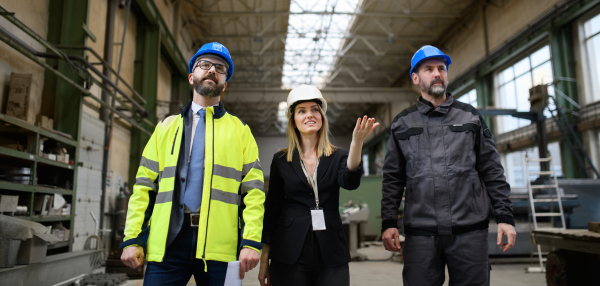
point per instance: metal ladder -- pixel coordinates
(551, 199)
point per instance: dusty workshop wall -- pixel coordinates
(506, 21)
(164, 89)
(97, 25)
(120, 148)
(166, 12)
(118, 163)
(182, 33)
(33, 14)
(184, 43)
(467, 46)
(174, 19)
(267, 147)
(127, 63)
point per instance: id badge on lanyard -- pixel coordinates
(318, 219)
(317, 215)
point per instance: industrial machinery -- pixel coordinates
(575, 259)
(354, 217)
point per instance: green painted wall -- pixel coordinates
(369, 192)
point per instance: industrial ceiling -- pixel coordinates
(337, 45)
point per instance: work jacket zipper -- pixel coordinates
(209, 195)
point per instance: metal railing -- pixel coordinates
(32, 54)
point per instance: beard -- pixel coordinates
(435, 91)
(204, 88)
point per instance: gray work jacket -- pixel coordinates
(448, 162)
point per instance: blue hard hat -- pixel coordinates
(428, 52)
(216, 49)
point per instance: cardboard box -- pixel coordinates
(61, 155)
(32, 250)
(8, 252)
(11, 144)
(46, 122)
(59, 233)
(42, 203)
(19, 96)
(8, 203)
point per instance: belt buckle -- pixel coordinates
(194, 219)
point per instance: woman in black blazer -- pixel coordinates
(304, 190)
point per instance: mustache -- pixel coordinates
(437, 80)
(211, 78)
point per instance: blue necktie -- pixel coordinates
(195, 176)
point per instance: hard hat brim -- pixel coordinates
(445, 58)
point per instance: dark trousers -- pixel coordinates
(180, 263)
(309, 270)
(302, 274)
(466, 255)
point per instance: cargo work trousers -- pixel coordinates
(465, 254)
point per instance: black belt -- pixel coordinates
(192, 218)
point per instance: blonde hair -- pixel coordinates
(324, 147)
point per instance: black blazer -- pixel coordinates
(290, 199)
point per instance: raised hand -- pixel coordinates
(364, 127)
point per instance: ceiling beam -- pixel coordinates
(329, 36)
(213, 14)
(342, 95)
(353, 55)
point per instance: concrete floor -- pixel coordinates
(374, 273)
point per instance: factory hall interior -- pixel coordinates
(299, 142)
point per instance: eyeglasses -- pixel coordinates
(206, 65)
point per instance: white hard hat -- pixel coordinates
(304, 93)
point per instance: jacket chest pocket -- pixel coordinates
(410, 145)
(460, 144)
(463, 134)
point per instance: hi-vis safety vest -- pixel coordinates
(233, 180)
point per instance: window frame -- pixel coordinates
(585, 78)
(508, 165)
(584, 70)
(498, 124)
(467, 91)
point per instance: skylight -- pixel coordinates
(314, 39)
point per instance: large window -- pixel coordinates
(514, 165)
(592, 43)
(469, 97)
(514, 83)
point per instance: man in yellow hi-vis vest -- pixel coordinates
(197, 203)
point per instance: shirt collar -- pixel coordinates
(196, 107)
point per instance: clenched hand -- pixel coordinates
(133, 257)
